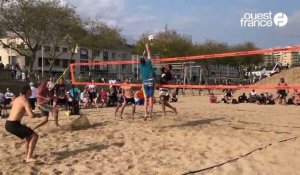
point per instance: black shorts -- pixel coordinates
(61, 102)
(130, 100)
(282, 93)
(7, 101)
(17, 129)
(32, 102)
(164, 97)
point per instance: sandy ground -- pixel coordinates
(247, 136)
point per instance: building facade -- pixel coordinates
(284, 58)
(83, 55)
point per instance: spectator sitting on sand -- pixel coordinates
(253, 97)
(227, 97)
(296, 97)
(85, 98)
(262, 99)
(213, 98)
(270, 99)
(243, 98)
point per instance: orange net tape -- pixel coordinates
(189, 58)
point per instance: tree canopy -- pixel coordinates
(38, 22)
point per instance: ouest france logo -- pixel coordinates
(264, 19)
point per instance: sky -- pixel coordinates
(201, 19)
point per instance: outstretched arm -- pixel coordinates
(148, 51)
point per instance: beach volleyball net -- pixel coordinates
(191, 73)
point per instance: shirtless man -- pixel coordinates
(282, 91)
(13, 124)
(43, 98)
(128, 98)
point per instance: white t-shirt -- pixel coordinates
(253, 93)
(112, 81)
(33, 92)
(9, 95)
(84, 95)
(50, 85)
(92, 88)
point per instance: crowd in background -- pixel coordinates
(264, 98)
(88, 97)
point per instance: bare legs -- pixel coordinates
(30, 143)
(148, 107)
(55, 115)
(123, 107)
(165, 104)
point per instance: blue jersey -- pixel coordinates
(147, 71)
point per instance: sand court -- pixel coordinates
(247, 138)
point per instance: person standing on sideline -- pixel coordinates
(32, 98)
(282, 91)
(148, 76)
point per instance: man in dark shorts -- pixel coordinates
(148, 74)
(44, 97)
(13, 125)
(127, 93)
(164, 96)
(282, 91)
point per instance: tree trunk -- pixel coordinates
(32, 60)
(51, 66)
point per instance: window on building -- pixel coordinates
(95, 53)
(5, 46)
(65, 50)
(123, 66)
(105, 56)
(47, 48)
(113, 56)
(124, 56)
(56, 62)
(46, 61)
(65, 63)
(40, 62)
(84, 68)
(56, 49)
(97, 67)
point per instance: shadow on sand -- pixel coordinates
(61, 155)
(195, 122)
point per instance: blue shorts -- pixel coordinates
(148, 88)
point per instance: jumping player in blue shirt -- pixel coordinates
(148, 74)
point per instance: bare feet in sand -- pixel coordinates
(30, 160)
(175, 111)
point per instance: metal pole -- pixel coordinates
(42, 61)
(10, 58)
(137, 67)
(132, 67)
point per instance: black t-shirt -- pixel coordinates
(165, 77)
(60, 89)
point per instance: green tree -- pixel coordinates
(246, 63)
(101, 36)
(34, 23)
(168, 43)
(210, 47)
